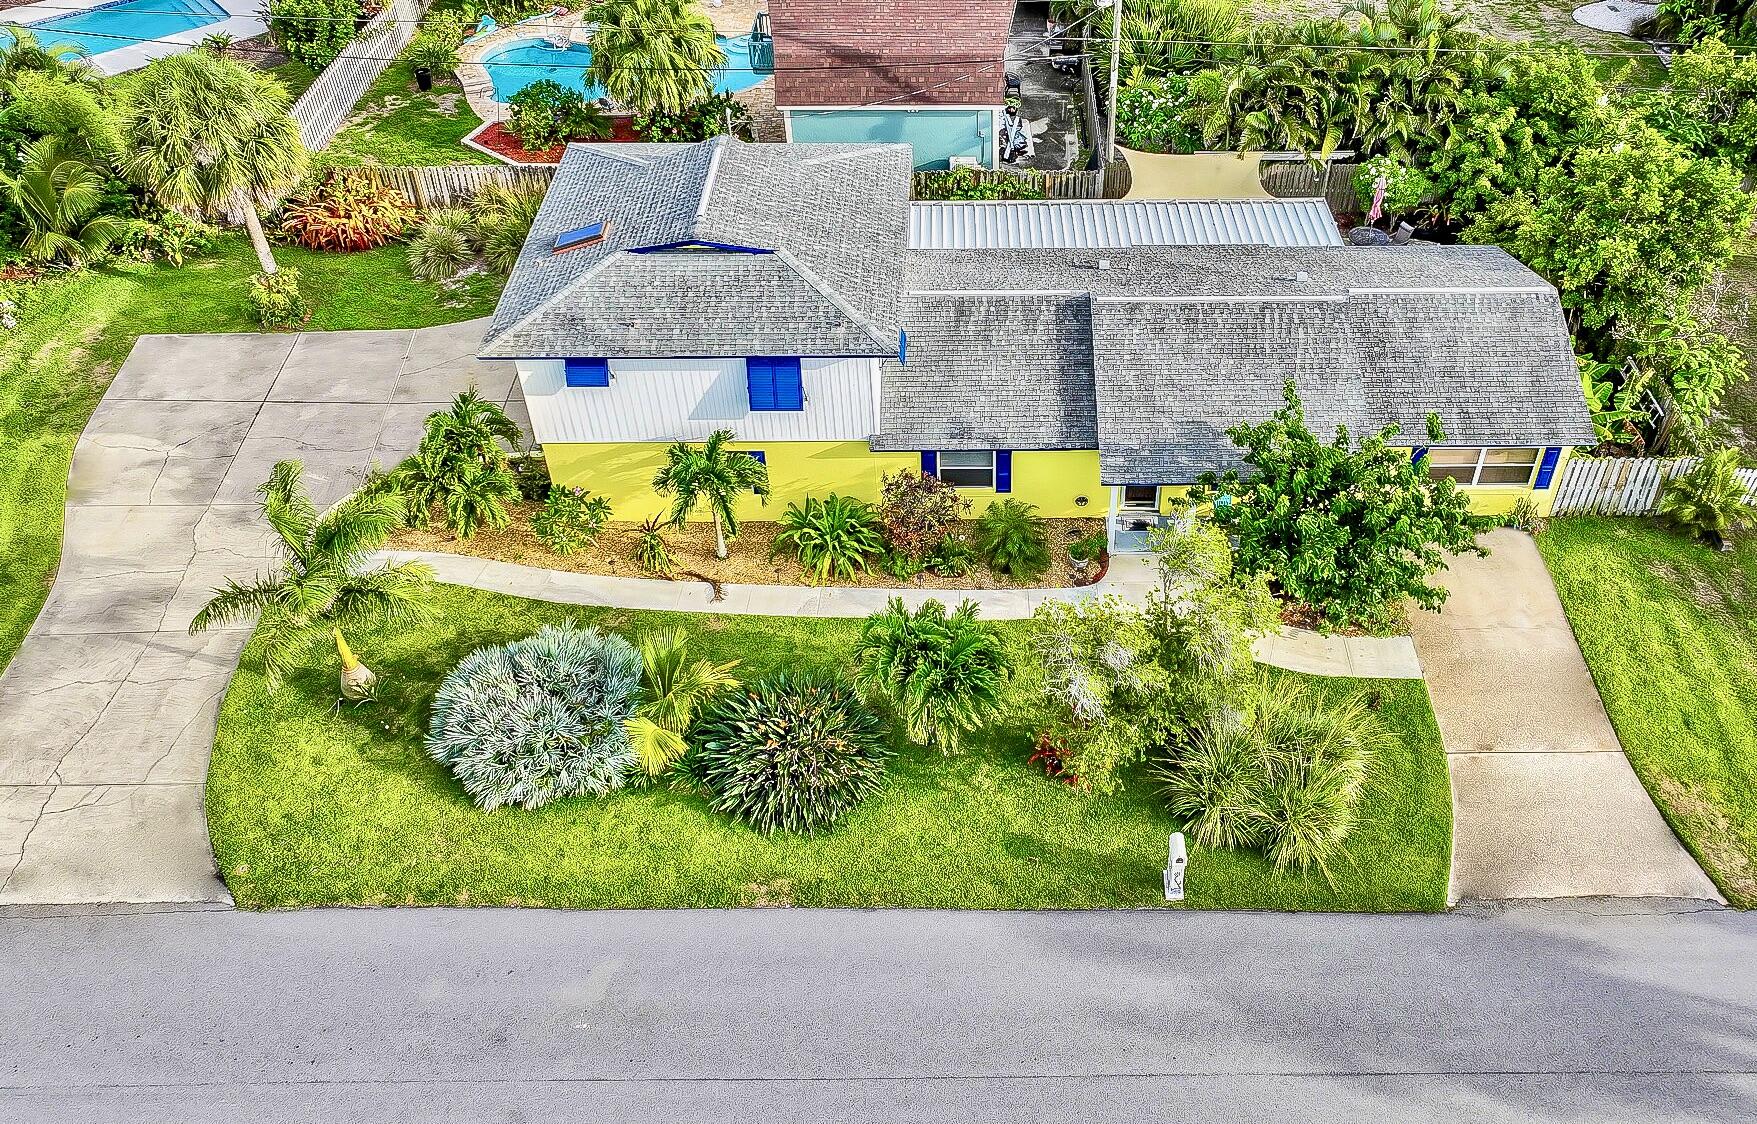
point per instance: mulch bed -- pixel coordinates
(499, 139)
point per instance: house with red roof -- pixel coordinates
(925, 73)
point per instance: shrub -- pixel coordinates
(651, 552)
(917, 511)
(461, 466)
(571, 519)
(277, 300)
(433, 51)
(790, 753)
(673, 689)
(313, 31)
(944, 673)
(1284, 777)
(545, 113)
(540, 719)
(1148, 116)
(476, 496)
(531, 472)
(954, 557)
(1090, 548)
(170, 237)
(1405, 187)
(1709, 500)
(504, 214)
(443, 245)
(348, 212)
(975, 184)
(838, 536)
(707, 118)
(1013, 540)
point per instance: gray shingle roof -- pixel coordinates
(839, 211)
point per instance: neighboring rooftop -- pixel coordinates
(901, 52)
(1117, 224)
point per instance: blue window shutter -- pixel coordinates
(789, 384)
(1547, 470)
(1003, 470)
(1417, 453)
(587, 372)
(930, 462)
(759, 379)
(757, 455)
(903, 347)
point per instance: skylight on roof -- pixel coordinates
(581, 236)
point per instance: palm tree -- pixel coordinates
(461, 466)
(26, 54)
(471, 428)
(714, 474)
(673, 689)
(1709, 500)
(945, 673)
(323, 584)
(205, 133)
(653, 56)
(56, 196)
(476, 496)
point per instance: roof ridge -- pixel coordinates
(543, 305)
(835, 298)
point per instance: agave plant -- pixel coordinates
(674, 688)
(945, 673)
(1710, 501)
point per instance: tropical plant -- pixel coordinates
(313, 31)
(710, 117)
(1283, 774)
(651, 552)
(23, 53)
(1349, 528)
(944, 673)
(79, 116)
(323, 584)
(674, 688)
(653, 55)
(711, 474)
(1013, 540)
(434, 52)
(571, 519)
(788, 753)
(443, 245)
(58, 198)
(1405, 186)
(540, 719)
(218, 43)
(918, 511)
(837, 536)
(1709, 101)
(1616, 409)
(462, 466)
(970, 184)
(504, 214)
(1709, 500)
(545, 113)
(277, 301)
(1150, 116)
(1693, 363)
(348, 212)
(476, 496)
(203, 133)
(169, 237)
(954, 556)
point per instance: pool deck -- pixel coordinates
(243, 22)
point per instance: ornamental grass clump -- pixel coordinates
(789, 753)
(540, 719)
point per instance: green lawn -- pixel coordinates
(396, 124)
(75, 331)
(311, 806)
(1666, 626)
(295, 76)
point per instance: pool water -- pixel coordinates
(124, 24)
(518, 64)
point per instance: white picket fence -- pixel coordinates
(325, 107)
(1625, 485)
(443, 186)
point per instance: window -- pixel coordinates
(774, 383)
(1141, 496)
(756, 455)
(581, 236)
(587, 372)
(1484, 466)
(968, 469)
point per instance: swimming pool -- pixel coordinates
(523, 61)
(126, 23)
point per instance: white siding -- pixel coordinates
(687, 399)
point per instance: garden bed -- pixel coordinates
(749, 558)
(310, 805)
(497, 139)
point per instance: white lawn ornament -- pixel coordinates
(1176, 859)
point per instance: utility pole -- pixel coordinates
(1116, 50)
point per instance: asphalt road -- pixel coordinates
(1578, 1012)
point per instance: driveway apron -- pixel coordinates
(1544, 802)
(109, 706)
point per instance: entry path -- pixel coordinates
(1544, 802)
(108, 708)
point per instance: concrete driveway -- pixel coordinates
(1544, 803)
(109, 706)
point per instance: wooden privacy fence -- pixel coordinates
(1625, 485)
(1109, 182)
(325, 107)
(1293, 176)
(445, 185)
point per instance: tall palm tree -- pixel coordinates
(57, 196)
(205, 132)
(713, 474)
(24, 53)
(673, 689)
(322, 585)
(653, 56)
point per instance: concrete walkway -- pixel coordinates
(109, 706)
(1545, 804)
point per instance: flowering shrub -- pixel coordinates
(1149, 116)
(706, 118)
(1405, 187)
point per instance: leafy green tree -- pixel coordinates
(1708, 103)
(313, 31)
(945, 673)
(653, 55)
(58, 198)
(323, 584)
(1348, 529)
(1709, 500)
(75, 114)
(204, 132)
(674, 689)
(711, 474)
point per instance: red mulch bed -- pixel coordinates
(500, 140)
